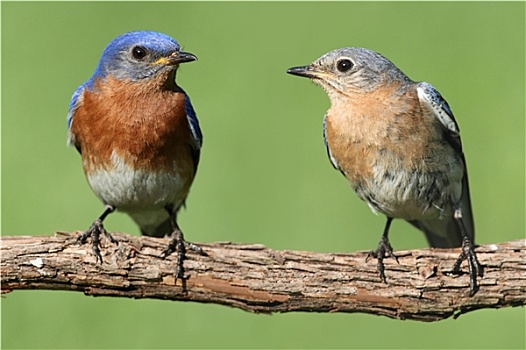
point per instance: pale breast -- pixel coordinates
(395, 159)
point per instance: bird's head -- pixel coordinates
(350, 70)
(141, 55)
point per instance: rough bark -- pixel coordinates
(258, 279)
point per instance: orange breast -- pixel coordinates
(364, 128)
(144, 126)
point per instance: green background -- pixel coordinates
(264, 176)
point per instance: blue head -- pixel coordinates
(140, 55)
(136, 56)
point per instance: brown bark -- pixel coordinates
(258, 279)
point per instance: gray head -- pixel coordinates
(140, 55)
(351, 69)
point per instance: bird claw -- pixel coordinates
(94, 231)
(179, 245)
(384, 250)
(195, 248)
(474, 266)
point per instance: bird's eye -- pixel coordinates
(139, 52)
(344, 65)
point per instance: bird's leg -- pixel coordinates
(95, 230)
(179, 244)
(384, 250)
(468, 253)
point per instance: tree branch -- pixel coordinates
(257, 279)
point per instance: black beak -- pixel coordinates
(304, 71)
(181, 57)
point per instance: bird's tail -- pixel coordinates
(163, 230)
(440, 233)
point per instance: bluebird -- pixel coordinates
(398, 144)
(139, 137)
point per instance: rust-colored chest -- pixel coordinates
(137, 122)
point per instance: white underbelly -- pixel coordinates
(413, 195)
(132, 190)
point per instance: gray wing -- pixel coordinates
(445, 233)
(327, 148)
(431, 98)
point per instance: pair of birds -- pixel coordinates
(395, 140)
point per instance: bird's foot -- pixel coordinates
(474, 266)
(180, 245)
(384, 250)
(94, 231)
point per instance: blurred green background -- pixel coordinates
(264, 176)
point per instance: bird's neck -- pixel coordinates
(169, 82)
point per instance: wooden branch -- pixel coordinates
(257, 279)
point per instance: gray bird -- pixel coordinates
(398, 144)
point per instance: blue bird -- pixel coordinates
(139, 137)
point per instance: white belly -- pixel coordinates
(413, 195)
(141, 194)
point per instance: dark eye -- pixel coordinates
(139, 52)
(344, 65)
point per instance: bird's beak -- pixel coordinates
(305, 71)
(181, 57)
(176, 57)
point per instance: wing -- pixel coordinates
(431, 98)
(76, 101)
(195, 129)
(445, 233)
(329, 153)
